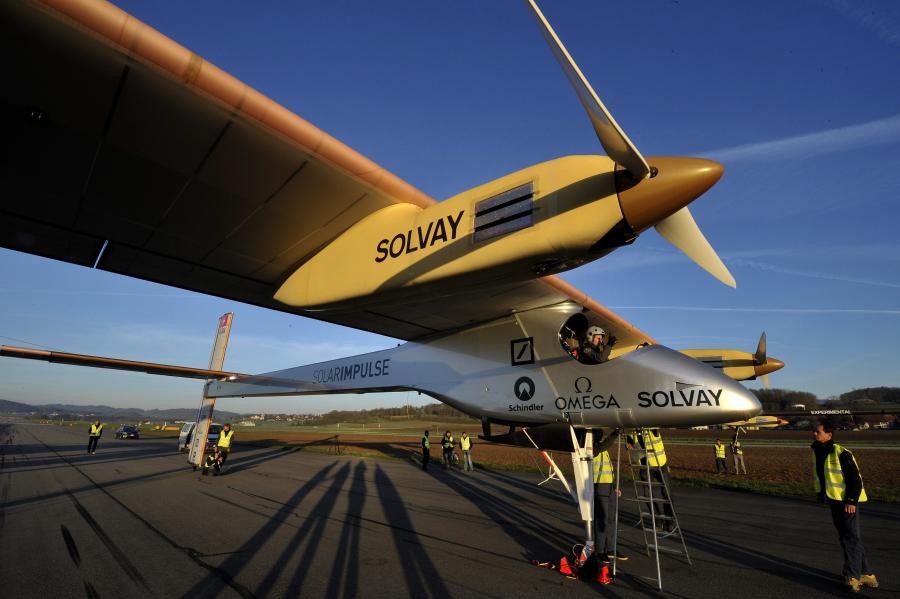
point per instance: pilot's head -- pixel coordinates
(594, 336)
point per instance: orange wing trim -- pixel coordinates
(595, 306)
(140, 41)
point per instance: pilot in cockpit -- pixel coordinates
(596, 346)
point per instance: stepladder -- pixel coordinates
(661, 531)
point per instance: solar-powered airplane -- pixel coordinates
(134, 155)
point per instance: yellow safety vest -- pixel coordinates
(656, 452)
(603, 468)
(425, 443)
(225, 439)
(466, 443)
(447, 442)
(835, 488)
(95, 430)
(720, 451)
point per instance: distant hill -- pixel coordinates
(781, 400)
(108, 412)
(14, 407)
(874, 394)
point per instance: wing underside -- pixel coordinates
(128, 153)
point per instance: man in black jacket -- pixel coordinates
(839, 484)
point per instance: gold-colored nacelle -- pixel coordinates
(543, 219)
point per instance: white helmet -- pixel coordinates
(595, 330)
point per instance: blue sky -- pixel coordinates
(799, 100)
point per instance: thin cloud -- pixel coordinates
(811, 274)
(884, 28)
(873, 133)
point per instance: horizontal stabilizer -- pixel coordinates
(117, 364)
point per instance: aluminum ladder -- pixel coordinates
(654, 506)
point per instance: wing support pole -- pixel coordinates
(582, 458)
(555, 472)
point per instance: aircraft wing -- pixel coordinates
(129, 153)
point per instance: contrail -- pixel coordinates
(882, 131)
(810, 274)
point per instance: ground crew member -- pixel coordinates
(447, 449)
(604, 487)
(721, 466)
(839, 484)
(659, 470)
(95, 433)
(738, 454)
(213, 460)
(224, 443)
(426, 451)
(465, 444)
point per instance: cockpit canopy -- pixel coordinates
(575, 339)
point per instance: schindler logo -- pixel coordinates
(524, 388)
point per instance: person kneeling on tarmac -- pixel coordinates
(213, 460)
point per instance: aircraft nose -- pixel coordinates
(677, 183)
(741, 403)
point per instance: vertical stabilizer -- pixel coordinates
(204, 416)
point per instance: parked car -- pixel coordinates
(128, 432)
(184, 437)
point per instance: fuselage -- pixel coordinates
(514, 370)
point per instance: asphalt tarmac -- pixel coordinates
(134, 520)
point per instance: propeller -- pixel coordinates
(762, 364)
(611, 136)
(672, 218)
(681, 230)
(760, 356)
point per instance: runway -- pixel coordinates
(134, 520)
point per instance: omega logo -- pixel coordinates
(585, 382)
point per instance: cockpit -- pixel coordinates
(585, 340)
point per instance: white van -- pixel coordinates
(184, 437)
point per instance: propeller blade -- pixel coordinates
(760, 356)
(681, 230)
(765, 381)
(612, 138)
